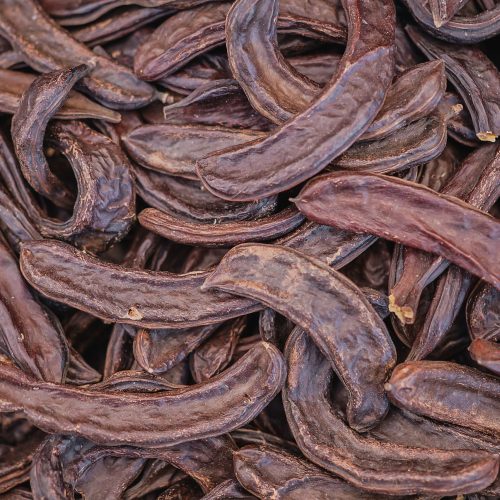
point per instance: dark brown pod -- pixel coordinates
(167, 300)
(14, 83)
(277, 162)
(117, 25)
(367, 463)
(105, 204)
(486, 353)
(321, 300)
(220, 103)
(188, 198)
(459, 30)
(333, 246)
(157, 351)
(483, 313)
(38, 104)
(476, 182)
(46, 47)
(414, 144)
(448, 392)
(216, 352)
(229, 400)
(473, 75)
(32, 338)
(174, 149)
(225, 235)
(420, 220)
(191, 32)
(273, 87)
(269, 472)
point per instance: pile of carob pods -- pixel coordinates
(249, 249)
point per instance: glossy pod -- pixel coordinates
(278, 161)
(46, 47)
(432, 222)
(473, 75)
(212, 235)
(37, 106)
(14, 83)
(156, 419)
(320, 300)
(167, 300)
(445, 391)
(174, 149)
(367, 463)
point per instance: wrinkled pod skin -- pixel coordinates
(263, 272)
(167, 300)
(367, 463)
(37, 106)
(230, 400)
(277, 161)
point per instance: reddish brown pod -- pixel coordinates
(279, 163)
(424, 219)
(321, 300)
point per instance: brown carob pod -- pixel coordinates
(445, 391)
(367, 463)
(442, 224)
(320, 300)
(46, 47)
(230, 399)
(278, 163)
(167, 300)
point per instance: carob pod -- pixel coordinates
(38, 104)
(188, 198)
(312, 295)
(190, 33)
(278, 163)
(483, 313)
(216, 352)
(225, 234)
(47, 47)
(157, 351)
(474, 77)
(118, 25)
(335, 247)
(424, 219)
(105, 204)
(487, 354)
(414, 144)
(174, 149)
(273, 87)
(445, 391)
(31, 337)
(476, 182)
(460, 29)
(167, 300)
(220, 103)
(367, 463)
(230, 400)
(278, 91)
(14, 83)
(273, 473)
